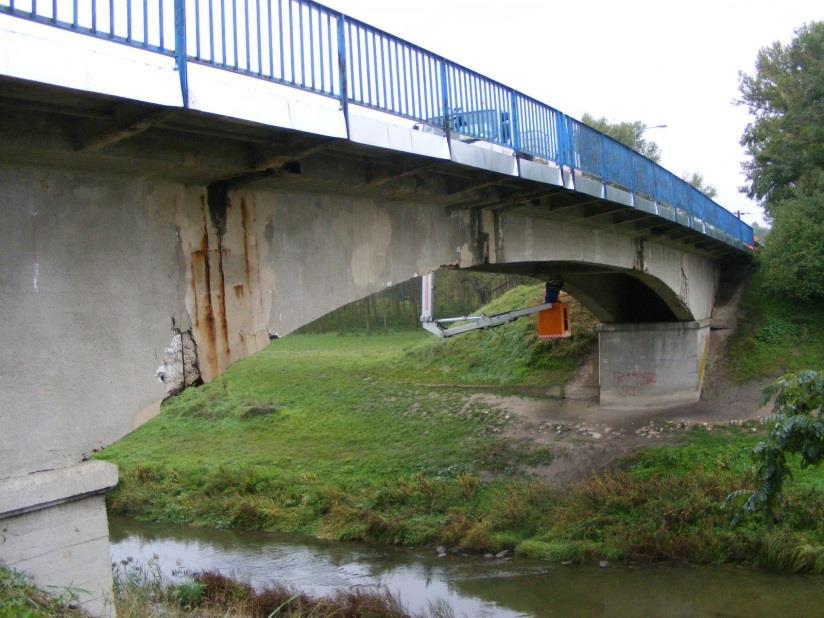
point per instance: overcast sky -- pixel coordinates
(673, 63)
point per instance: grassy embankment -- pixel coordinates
(343, 437)
(775, 335)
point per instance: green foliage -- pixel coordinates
(785, 140)
(793, 257)
(630, 134)
(187, 594)
(775, 333)
(798, 430)
(559, 551)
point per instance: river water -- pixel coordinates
(472, 586)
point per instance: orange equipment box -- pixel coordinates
(554, 323)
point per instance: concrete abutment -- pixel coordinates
(53, 527)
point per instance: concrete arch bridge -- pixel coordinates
(171, 200)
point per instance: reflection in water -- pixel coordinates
(471, 586)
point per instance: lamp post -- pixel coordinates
(643, 128)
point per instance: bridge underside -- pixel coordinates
(611, 294)
(135, 235)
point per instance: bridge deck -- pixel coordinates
(347, 88)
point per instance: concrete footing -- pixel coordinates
(53, 527)
(657, 364)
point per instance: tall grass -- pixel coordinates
(142, 592)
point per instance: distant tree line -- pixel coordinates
(457, 292)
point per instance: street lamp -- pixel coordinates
(643, 128)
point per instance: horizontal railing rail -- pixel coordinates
(304, 44)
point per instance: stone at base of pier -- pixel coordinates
(53, 527)
(655, 364)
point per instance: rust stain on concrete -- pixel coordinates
(244, 221)
(204, 307)
(228, 289)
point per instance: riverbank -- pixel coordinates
(345, 437)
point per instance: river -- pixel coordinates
(472, 586)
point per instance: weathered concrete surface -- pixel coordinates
(596, 263)
(643, 365)
(53, 526)
(99, 273)
(39, 490)
(90, 286)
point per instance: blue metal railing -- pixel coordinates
(149, 24)
(306, 45)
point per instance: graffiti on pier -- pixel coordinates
(629, 383)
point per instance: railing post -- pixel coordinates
(445, 97)
(180, 49)
(655, 190)
(564, 143)
(602, 164)
(514, 122)
(344, 85)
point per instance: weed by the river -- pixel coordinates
(19, 598)
(142, 592)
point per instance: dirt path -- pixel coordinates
(586, 437)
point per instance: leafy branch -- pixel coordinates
(798, 430)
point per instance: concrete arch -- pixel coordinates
(612, 294)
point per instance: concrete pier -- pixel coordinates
(657, 364)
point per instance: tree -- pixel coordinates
(793, 258)
(630, 134)
(785, 140)
(697, 180)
